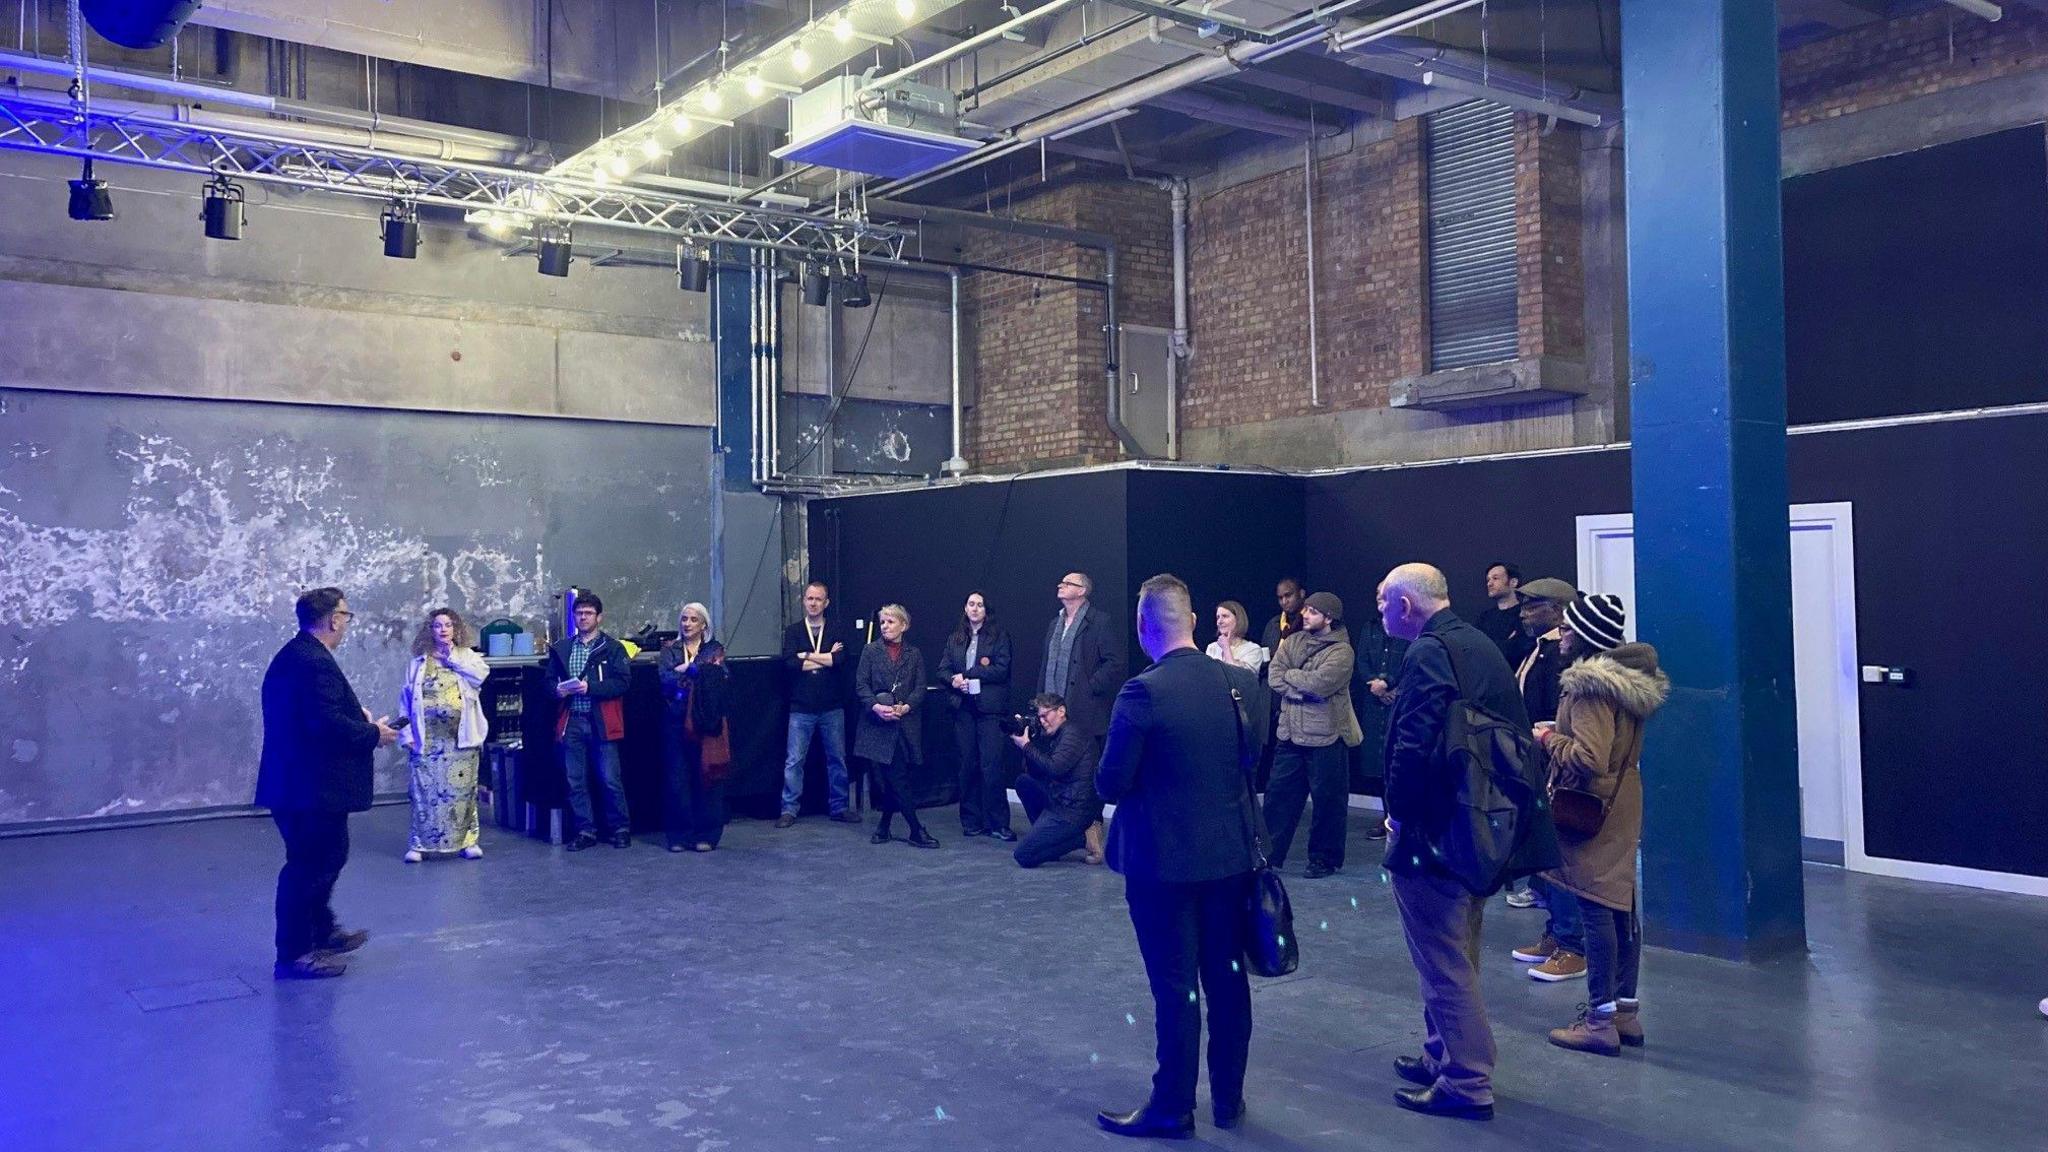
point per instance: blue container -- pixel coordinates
(498, 644)
(522, 644)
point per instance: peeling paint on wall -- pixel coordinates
(150, 550)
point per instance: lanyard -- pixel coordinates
(817, 638)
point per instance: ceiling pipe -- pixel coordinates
(1417, 60)
(1984, 8)
(971, 44)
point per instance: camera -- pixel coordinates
(1018, 724)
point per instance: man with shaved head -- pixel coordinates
(1447, 660)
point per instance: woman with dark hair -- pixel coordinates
(890, 684)
(444, 726)
(976, 667)
(696, 753)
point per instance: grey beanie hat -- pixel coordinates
(1328, 604)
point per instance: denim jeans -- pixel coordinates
(1614, 953)
(832, 727)
(580, 741)
(1567, 923)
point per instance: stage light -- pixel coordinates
(799, 60)
(755, 87)
(680, 125)
(652, 149)
(693, 272)
(221, 209)
(906, 9)
(618, 165)
(599, 176)
(817, 285)
(555, 243)
(711, 100)
(401, 230)
(853, 290)
(90, 199)
(842, 28)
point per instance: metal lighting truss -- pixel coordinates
(519, 198)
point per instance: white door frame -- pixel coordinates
(1839, 518)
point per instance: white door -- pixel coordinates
(1823, 658)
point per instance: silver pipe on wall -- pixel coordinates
(1179, 348)
(1308, 212)
(957, 464)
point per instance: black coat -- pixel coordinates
(1065, 763)
(1541, 687)
(700, 686)
(1094, 671)
(1171, 766)
(1503, 626)
(903, 679)
(1419, 786)
(317, 747)
(991, 667)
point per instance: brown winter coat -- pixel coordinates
(1598, 746)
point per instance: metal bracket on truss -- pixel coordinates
(32, 125)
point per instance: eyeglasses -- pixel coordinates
(342, 613)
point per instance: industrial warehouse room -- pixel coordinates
(614, 574)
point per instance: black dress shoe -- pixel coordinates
(1431, 1102)
(881, 836)
(343, 941)
(1144, 1122)
(1316, 871)
(622, 839)
(1003, 834)
(583, 840)
(923, 839)
(972, 832)
(1414, 1069)
(1228, 1115)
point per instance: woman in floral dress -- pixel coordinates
(444, 728)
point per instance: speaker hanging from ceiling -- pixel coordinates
(138, 23)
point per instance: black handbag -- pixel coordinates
(1270, 946)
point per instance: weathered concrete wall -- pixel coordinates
(150, 550)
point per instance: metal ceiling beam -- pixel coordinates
(1139, 160)
(36, 125)
(1322, 80)
(1217, 110)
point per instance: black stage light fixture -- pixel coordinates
(138, 23)
(817, 285)
(853, 290)
(554, 249)
(221, 209)
(693, 272)
(401, 222)
(89, 197)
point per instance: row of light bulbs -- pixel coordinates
(619, 164)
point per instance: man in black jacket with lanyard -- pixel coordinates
(1177, 767)
(316, 769)
(1439, 917)
(1083, 664)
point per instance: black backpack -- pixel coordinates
(1498, 827)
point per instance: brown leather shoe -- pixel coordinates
(1091, 839)
(1564, 964)
(1628, 1022)
(1593, 1032)
(344, 941)
(786, 820)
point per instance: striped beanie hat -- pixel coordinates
(1599, 619)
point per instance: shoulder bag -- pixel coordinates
(1270, 947)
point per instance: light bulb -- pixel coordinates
(600, 177)
(618, 164)
(651, 148)
(906, 8)
(680, 125)
(799, 60)
(755, 87)
(711, 100)
(842, 28)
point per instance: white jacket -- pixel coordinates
(470, 672)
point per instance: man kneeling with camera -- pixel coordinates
(1058, 790)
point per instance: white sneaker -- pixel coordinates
(1521, 898)
(413, 857)
(473, 852)
(2044, 1007)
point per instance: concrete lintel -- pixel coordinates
(1994, 105)
(1510, 382)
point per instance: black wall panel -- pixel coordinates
(1230, 535)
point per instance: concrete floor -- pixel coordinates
(806, 989)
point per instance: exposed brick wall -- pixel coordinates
(1550, 284)
(1885, 62)
(1249, 287)
(1037, 345)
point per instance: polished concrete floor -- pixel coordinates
(804, 989)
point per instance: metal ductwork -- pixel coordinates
(138, 23)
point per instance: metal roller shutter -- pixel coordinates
(1470, 162)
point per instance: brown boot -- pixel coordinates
(1563, 964)
(1092, 840)
(1538, 952)
(1628, 1022)
(1592, 1032)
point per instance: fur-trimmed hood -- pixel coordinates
(1628, 676)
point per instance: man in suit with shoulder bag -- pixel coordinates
(316, 768)
(1183, 840)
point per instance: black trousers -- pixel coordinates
(1054, 831)
(889, 787)
(1190, 934)
(1300, 774)
(315, 849)
(693, 808)
(984, 803)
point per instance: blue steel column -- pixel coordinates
(732, 345)
(1721, 860)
